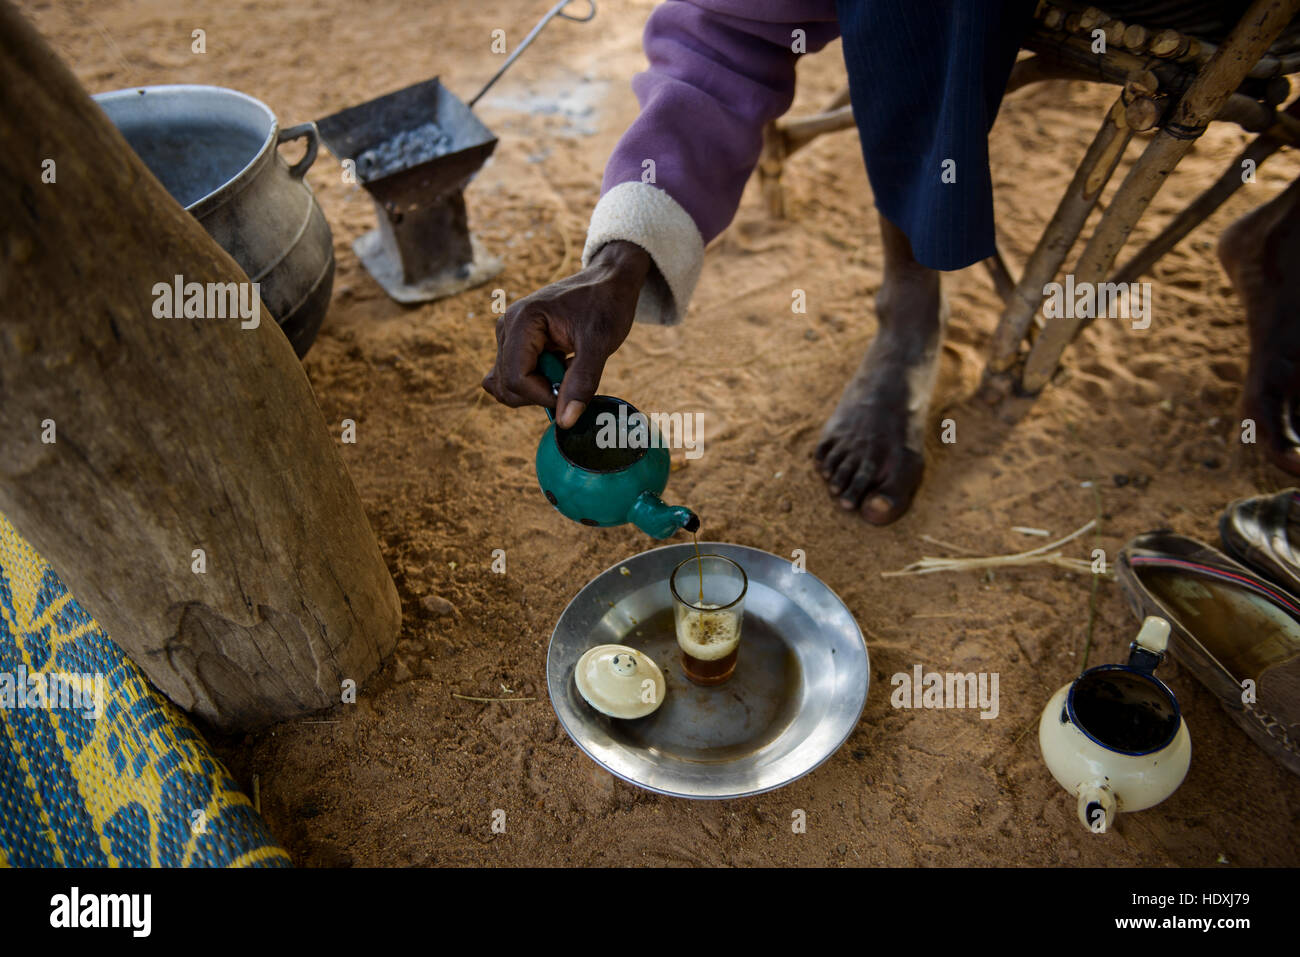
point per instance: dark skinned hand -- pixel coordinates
(589, 314)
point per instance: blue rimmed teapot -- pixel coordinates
(1115, 736)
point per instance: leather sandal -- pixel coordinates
(1264, 533)
(1229, 626)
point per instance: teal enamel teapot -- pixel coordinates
(593, 474)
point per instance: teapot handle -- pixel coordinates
(551, 365)
(1148, 648)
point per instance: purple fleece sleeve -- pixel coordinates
(719, 70)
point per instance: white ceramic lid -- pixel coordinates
(619, 681)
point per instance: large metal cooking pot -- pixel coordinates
(214, 150)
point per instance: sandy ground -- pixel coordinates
(410, 775)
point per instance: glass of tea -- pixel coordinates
(708, 606)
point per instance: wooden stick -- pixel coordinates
(1115, 33)
(1059, 236)
(1003, 283)
(1136, 37)
(783, 137)
(1115, 66)
(1198, 210)
(1092, 18)
(771, 164)
(1267, 66)
(841, 98)
(1168, 43)
(948, 545)
(1036, 69)
(1141, 113)
(1276, 90)
(1248, 113)
(799, 132)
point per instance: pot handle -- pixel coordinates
(1148, 648)
(551, 365)
(299, 169)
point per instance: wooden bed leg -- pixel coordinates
(997, 269)
(1093, 173)
(1203, 207)
(841, 98)
(798, 133)
(771, 163)
(783, 137)
(1258, 28)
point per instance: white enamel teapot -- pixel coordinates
(1115, 737)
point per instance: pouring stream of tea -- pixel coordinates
(699, 565)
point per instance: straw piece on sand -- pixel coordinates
(1048, 554)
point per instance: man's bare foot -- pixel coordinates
(1261, 254)
(872, 450)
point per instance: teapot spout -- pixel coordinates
(652, 516)
(1097, 807)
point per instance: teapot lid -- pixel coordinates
(619, 681)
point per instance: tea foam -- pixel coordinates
(708, 635)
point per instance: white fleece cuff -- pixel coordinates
(646, 215)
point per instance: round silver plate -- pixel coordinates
(798, 691)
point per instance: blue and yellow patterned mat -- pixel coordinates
(97, 767)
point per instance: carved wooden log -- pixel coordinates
(170, 435)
